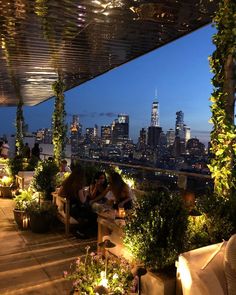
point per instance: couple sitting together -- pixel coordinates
(117, 192)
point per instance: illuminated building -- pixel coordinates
(91, 133)
(106, 134)
(142, 141)
(120, 129)
(170, 137)
(179, 125)
(187, 133)
(75, 133)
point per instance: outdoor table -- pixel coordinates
(110, 226)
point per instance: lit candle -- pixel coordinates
(121, 212)
(25, 222)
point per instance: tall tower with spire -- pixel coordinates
(155, 119)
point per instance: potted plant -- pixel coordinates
(155, 233)
(5, 186)
(89, 276)
(41, 216)
(44, 179)
(22, 201)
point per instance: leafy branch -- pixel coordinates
(223, 136)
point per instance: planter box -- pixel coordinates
(40, 223)
(5, 192)
(157, 284)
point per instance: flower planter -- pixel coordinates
(40, 223)
(21, 219)
(5, 192)
(158, 284)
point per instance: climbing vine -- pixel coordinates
(59, 127)
(223, 136)
(19, 129)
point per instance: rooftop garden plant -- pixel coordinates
(217, 221)
(15, 165)
(59, 126)
(89, 277)
(60, 177)
(23, 200)
(44, 179)
(155, 229)
(6, 181)
(223, 135)
(41, 215)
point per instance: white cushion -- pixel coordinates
(230, 265)
(202, 272)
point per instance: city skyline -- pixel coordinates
(179, 71)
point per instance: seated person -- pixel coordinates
(64, 167)
(99, 188)
(122, 194)
(73, 188)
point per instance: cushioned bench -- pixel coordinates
(209, 270)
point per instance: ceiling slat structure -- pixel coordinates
(81, 39)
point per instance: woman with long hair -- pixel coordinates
(73, 189)
(98, 188)
(120, 190)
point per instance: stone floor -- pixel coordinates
(34, 263)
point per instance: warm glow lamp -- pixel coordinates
(106, 244)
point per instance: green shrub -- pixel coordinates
(15, 165)
(215, 223)
(39, 209)
(155, 229)
(44, 179)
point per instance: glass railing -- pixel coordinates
(149, 178)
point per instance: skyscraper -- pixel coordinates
(179, 125)
(142, 140)
(187, 133)
(75, 133)
(120, 129)
(91, 133)
(106, 134)
(154, 133)
(170, 137)
(155, 116)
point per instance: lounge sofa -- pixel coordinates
(209, 270)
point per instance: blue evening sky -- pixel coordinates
(179, 71)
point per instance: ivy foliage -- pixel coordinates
(223, 136)
(19, 129)
(155, 229)
(59, 127)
